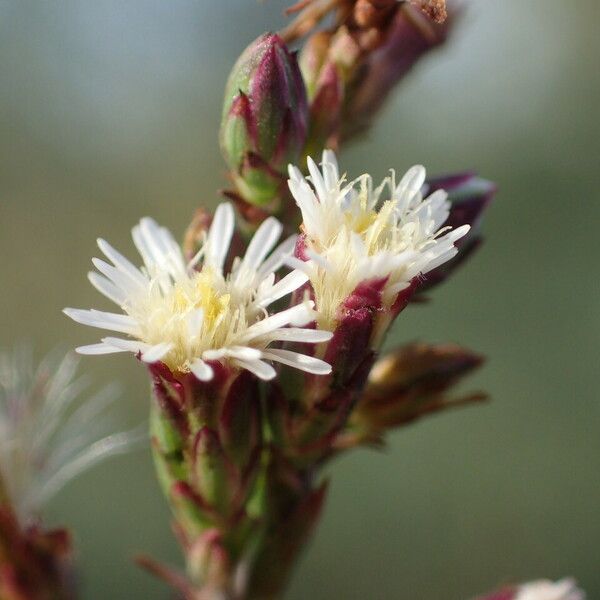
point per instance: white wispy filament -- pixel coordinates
(354, 235)
(187, 314)
(49, 431)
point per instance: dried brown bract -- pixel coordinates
(434, 9)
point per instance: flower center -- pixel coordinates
(202, 294)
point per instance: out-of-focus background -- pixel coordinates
(109, 111)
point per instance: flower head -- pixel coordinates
(48, 434)
(544, 589)
(353, 235)
(189, 314)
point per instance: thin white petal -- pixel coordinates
(296, 334)
(201, 370)
(122, 280)
(120, 262)
(241, 352)
(299, 265)
(331, 174)
(103, 320)
(107, 288)
(278, 256)
(291, 282)
(317, 179)
(301, 312)
(320, 260)
(411, 183)
(95, 349)
(219, 235)
(260, 368)
(111, 445)
(158, 248)
(262, 242)
(157, 352)
(134, 346)
(310, 364)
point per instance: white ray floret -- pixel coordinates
(188, 314)
(50, 432)
(544, 589)
(353, 234)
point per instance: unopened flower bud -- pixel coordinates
(326, 111)
(312, 57)
(406, 384)
(327, 62)
(211, 471)
(193, 514)
(239, 421)
(408, 38)
(208, 560)
(430, 368)
(265, 117)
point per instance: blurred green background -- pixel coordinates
(109, 111)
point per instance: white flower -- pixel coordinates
(544, 589)
(353, 236)
(48, 433)
(188, 314)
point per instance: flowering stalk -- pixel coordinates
(364, 259)
(250, 397)
(238, 450)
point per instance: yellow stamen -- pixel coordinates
(213, 304)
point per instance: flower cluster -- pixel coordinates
(192, 315)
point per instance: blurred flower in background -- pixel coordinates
(49, 431)
(543, 589)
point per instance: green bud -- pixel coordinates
(211, 470)
(167, 449)
(239, 420)
(192, 513)
(265, 117)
